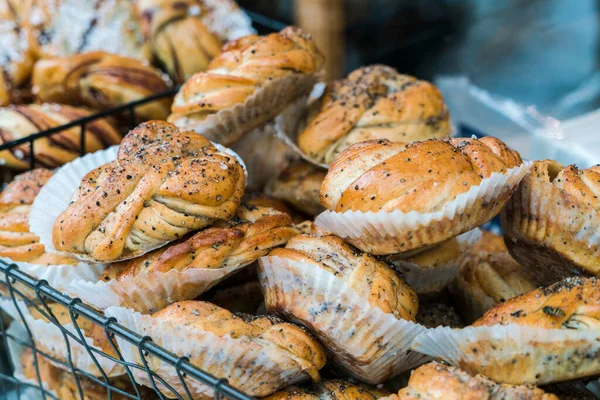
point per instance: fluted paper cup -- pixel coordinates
(245, 363)
(57, 193)
(50, 339)
(148, 292)
(363, 341)
(391, 232)
(516, 354)
(425, 279)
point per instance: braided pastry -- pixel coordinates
(100, 80)
(436, 381)
(258, 75)
(422, 177)
(17, 122)
(299, 184)
(16, 242)
(330, 287)
(330, 390)
(180, 40)
(164, 184)
(488, 276)
(374, 102)
(552, 221)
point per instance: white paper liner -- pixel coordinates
(343, 321)
(433, 279)
(49, 338)
(226, 19)
(229, 125)
(400, 232)
(148, 292)
(247, 364)
(515, 354)
(58, 276)
(56, 195)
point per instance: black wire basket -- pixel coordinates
(23, 289)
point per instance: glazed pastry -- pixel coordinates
(551, 222)
(299, 185)
(101, 81)
(374, 102)
(436, 381)
(17, 122)
(423, 177)
(63, 384)
(248, 84)
(180, 40)
(258, 355)
(298, 280)
(433, 315)
(163, 185)
(245, 298)
(330, 390)
(488, 276)
(16, 242)
(226, 246)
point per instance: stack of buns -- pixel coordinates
(359, 259)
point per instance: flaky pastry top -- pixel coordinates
(335, 389)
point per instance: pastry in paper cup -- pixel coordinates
(550, 334)
(247, 85)
(333, 389)
(430, 271)
(488, 276)
(157, 186)
(390, 197)
(186, 269)
(49, 338)
(551, 224)
(357, 306)
(258, 355)
(435, 381)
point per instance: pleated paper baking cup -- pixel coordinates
(516, 354)
(362, 340)
(49, 338)
(391, 232)
(425, 279)
(148, 292)
(245, 363)
(551, 233)
(57, 193)
(58, 276)
(229, 125)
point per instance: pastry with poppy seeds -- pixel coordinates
(359, 308)
(249, 83)
(374, 102)
(163, 185)
(392, 197)
(436, 381)
(551, 334)
(100, 80)
(551, 223)
(17, 122)
(258, 354)
(334, 389)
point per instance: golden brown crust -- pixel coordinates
(488, 276)
(573, 303)
(16, 242)
(330, 390)
(379, 175)
(270, 331)
(163, 185)
(17, 122)
(299, 184)
(101, 80)
(374, 102)
(252, 233)
(436, 381)
(179, 39)
(374, 280)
